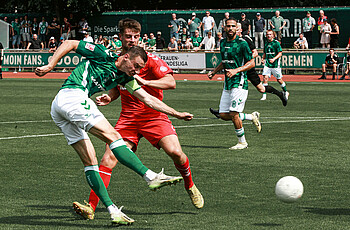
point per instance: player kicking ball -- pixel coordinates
(76, 114)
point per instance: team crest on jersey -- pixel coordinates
(163, 68)
(90, 47)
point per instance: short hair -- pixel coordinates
(137, 51)
(129, 23)
(334, 20)
(273, 32)
(331, 49)
(232, 19)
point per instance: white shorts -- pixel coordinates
(233, 100)
(276, 72)
(75, 114)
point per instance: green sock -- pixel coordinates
(284, 87)
(94, 180)
(127, 157)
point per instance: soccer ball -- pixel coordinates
(289, 189)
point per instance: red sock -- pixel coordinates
(185, 172)
(105, 174)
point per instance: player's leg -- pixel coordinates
(171, 145)
(277, 72)
(334, 71)
(323, 71)
(266, 74)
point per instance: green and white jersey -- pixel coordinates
(271, 49)
(98, 71)
(235, 54)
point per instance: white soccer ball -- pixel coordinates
(289, 189)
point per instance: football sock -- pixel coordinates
(105, 174)
(333, 75)
(186, 174)
(149, 175)
(246, 116)
(270, 89)
(112, 209)
(0, 73)
(265, 85)
(127, 157)
(284, 87)
(94, 180)
(240, 135)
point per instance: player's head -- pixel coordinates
(230, 28)
(130, 30)
(331, 50)
(133, 60)
(270, 35)
(301, 35)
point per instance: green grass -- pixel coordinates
(309, 139)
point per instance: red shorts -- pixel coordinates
(153, 130)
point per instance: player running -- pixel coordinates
(272, 59)
(137, 120)
(236, 60)
(254, 78)
(76, 114)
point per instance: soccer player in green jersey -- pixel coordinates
(76, 114)
(272, 59)
(236, 60)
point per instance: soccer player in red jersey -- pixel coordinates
(137, 120)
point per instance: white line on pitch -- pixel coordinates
(193, 126)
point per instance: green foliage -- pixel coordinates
(42, 176)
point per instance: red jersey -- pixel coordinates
(132, 107)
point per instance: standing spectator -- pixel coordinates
(52, 45)
(208, 23)
(245, 23)
(308, 26)
(208, 42)
(330, 63)
(196, 40)
(54, 28)
(152, 42)
(334, 33)
(65, 29)
(160, 42)
(87, 37)
(218, 40)
(348, 46)
(43, 30)
(73, 26)
(26, 25)
(35, 27)
(301, 42)
(223, 24)
(16, 31)
(99, 40)
(194, 24)
(174, 26)
(35, 43)
(326, 34)
(115, 44)
(1, 56)
(259, 31)
(320, 23)
(83, 26)
(277, 23)
(347, 65)
(172, 46)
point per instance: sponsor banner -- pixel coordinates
(290, 60)
(32, 59)
(177, 60)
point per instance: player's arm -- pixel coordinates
(272, 60)
(247, 66)
(211, 74)
(160, 106)
(255, 53)
(105, 99)
(166, 82)
(65, 48)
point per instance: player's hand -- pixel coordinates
(211, 74)
(185, 116)
(231, 72)
(140, 80)
(263, 61)
(41, 71)
(104, 99)
(271, 60)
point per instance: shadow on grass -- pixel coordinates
(267, 225)
(328, 211)
(205, 147)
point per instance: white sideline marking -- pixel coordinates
(318, 119)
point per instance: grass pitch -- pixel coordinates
(41, 176)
